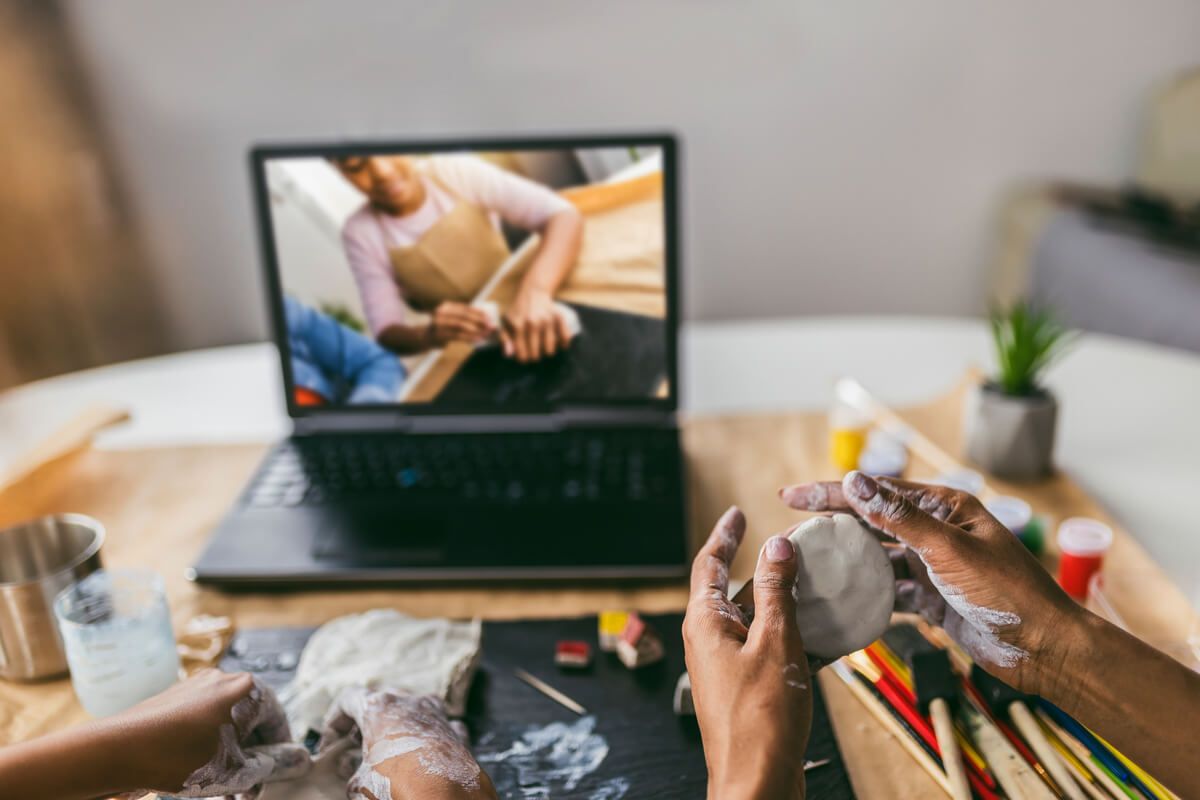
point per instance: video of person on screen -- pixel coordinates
(472, 279)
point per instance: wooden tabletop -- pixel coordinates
(160, 504)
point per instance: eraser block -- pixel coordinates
(611, 625)
(639, 645)
(682, 703)
(573, 655)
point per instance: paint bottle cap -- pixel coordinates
(965, 480)
(1080, 536)
(1011, 512)
(889, 459)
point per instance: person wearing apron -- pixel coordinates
(428, 239)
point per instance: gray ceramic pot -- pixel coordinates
(1010, 437)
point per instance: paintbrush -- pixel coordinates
(902, 705)
(1003, 699)
(883, 714)
(937, 691)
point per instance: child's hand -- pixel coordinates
(215, 733)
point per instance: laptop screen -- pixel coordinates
(487, 277)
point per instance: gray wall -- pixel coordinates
(841, 155)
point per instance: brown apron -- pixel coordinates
(453, 260)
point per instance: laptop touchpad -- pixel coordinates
(382, 537)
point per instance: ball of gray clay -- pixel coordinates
(845, 587)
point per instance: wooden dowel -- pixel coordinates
(943, 726)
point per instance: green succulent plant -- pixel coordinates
(1027, 339)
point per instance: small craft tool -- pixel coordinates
(1005, 700)
(1037, 783)
(550, 691)
(878, 709)
(573, 655)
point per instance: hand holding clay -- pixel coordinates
(959, 568)
(232, 721)
(410, 748)
(750, 681)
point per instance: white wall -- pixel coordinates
(841, 156)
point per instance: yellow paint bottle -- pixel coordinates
(847, 436)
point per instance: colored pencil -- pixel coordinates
(1086, 779)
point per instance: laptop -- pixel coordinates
(478, 347)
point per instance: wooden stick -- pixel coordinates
(1018, 712)
(76, 434)
(889, 723)
(550, 691)
(1084, 755)
(1012, 772)
(855, 395)
(943, 726)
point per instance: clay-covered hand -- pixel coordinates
(532, 328)
(750, 683)
(215, 733)
(458, 322)
(958, 567)
(410, 748)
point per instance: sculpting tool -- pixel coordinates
(1003, 699)
(550, 691)
(880, 711)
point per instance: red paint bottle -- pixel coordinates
(1082, 543)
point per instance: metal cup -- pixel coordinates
(38, 559)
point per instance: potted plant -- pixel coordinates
(1010, 420)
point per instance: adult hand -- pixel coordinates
(458, 322)
(215, 733)
(533, 329)
(410, 747)
(960, 569)
(750, 683)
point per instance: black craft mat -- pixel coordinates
(615, 355)
(657, 754)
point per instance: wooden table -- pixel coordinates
(159, 505)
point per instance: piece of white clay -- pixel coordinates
(845, 588)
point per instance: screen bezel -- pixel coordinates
(668, 144)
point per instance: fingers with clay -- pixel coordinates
(409, 746)
(254, 748)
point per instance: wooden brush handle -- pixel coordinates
(1019, 713)
(943, 726)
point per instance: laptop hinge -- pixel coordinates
(485, 423)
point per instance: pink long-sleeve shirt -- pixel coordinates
(368, 235)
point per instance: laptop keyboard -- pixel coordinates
(508, 468)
